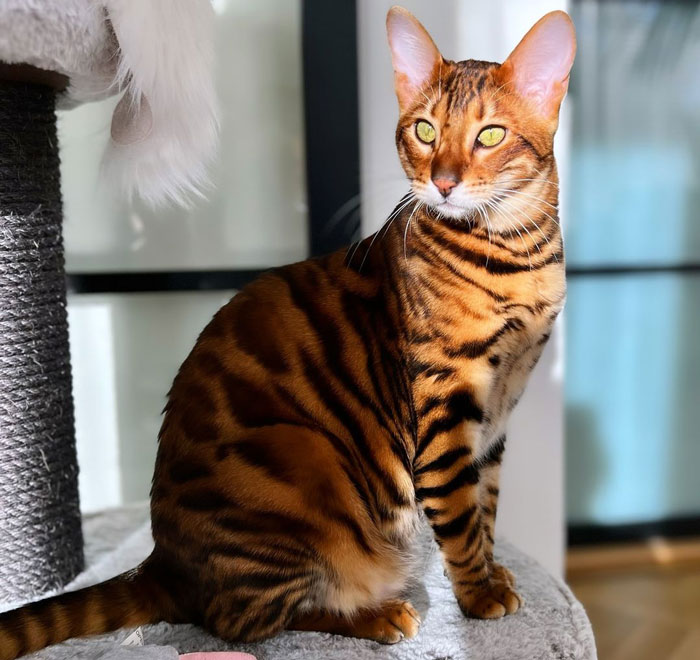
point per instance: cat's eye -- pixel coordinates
(491, 136)
(425, 131)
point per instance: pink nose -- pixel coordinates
(444, 185)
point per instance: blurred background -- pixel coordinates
(609, 429)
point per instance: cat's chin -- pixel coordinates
(452, 211)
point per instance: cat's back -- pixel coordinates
(286, 352)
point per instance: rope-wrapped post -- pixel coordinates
(41, 545)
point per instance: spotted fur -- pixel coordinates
(331, 401)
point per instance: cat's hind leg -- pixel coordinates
(391, 622)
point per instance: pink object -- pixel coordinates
(218, 655)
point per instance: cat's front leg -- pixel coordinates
(459, 496)
(489, 477)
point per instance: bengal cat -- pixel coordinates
(330, 400)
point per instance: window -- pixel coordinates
(633, 242)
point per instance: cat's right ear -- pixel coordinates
(539, 66)
(414, 55)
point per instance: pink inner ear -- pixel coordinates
(542, 60)
(412, 59)
(413, 52)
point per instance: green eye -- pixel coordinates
(492, 136)
(425, 132)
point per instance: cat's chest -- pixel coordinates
(484, 342)
(518, 332)
(511, 360)
(510, 363)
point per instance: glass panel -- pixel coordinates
(632, 397)
(256, 213)
(125, 352)
(635, 87)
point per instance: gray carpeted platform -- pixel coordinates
(552, 625)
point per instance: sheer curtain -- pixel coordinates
(633, 356)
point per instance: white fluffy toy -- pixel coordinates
(158, 54)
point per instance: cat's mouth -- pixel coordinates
(463, 204)
(452, 210)
(459, 205)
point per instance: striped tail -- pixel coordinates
(131, 599)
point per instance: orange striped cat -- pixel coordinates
(332, 400)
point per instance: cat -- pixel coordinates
(331, 400)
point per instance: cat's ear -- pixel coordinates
(539, 66)
(415, 57)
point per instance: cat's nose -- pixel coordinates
(445, 184)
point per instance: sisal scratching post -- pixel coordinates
(164, 134)
(41, 545)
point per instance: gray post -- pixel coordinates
(41, 545)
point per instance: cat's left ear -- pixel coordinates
(414, 55)
(539, 66)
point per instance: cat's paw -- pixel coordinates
(389, 623)
(493, 599)
(395, 621)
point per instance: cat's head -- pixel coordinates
(474, 135)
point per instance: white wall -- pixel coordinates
(531, 512)
(125, 352)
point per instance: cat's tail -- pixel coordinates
(130, 599)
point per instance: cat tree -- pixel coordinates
(163, 133)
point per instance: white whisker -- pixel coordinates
(488, 229)
(515, 217)
(505, 193)
(506, 201)
(538, 179)
(524, 194)
(385, 229)
(405, 231)
(529, 259)
(387, 223)
(493, 98)
(544, 236)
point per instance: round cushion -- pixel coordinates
(552, 624)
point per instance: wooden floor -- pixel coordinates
(641, 610)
